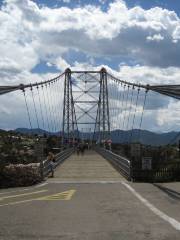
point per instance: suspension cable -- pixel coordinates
(130, 108)
(122, 105)
(27, 109)
(119, 100)
(57, 117)
(125, 113)
(144, 103)
(35, 109)
(40, 104)
(50, 114)
(52, 104)
(134, 114)
(119, 108)
(46, 111)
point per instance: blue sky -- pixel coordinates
(112, 60)
(73, 56)
(169, 4)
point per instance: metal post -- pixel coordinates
(104, 107)
(68, 109)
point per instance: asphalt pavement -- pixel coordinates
(96, 208)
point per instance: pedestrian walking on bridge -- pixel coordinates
(51, 159)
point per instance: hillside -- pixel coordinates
(118, 136)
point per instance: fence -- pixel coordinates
(122, 164)
(132, 170)
(165, 173)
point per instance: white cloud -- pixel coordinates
(60, 63)
(30, 33)
(150, 75)
(155, 37)
(169, 118)
(176, 34)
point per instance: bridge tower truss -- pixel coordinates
(102, 128)
(85, 92)
(69, 129)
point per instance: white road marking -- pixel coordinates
(24, 189)
(173, 222)
(15, 203)
(23, 194)
(40, 185)
(84, 182)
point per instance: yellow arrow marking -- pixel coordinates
(23, 194)
(67, 195)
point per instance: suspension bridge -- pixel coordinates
(97, 109)
(93, 194)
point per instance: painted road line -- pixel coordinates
(67, 195)
(84, 182)
(23, 194)
(18, 202)
(24, 189)
(40, 185)
(173, 222)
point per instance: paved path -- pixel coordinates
(88, 167)
(97, 204)
(91, 211)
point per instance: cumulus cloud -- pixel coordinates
(155, 37)
(34, 33)
(150, 75)
(60, 63)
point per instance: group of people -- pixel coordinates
(80, 148)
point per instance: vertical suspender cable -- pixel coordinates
(123, 137)
(46, 111)
(122, 105)
(52, 105)
(144, 103)
(35, 109)
(119, 108)
(27, 108)
(119, 101)
(40, 104)
(134, 114)
(131, 101)
(50, 114)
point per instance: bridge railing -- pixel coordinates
(45, 166)
(122, 164)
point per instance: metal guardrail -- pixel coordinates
(121, 163)
(45, 166)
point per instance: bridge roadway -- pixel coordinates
(88, 200)
(90, 167)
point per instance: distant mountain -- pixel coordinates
(145, 137)
(34, 131)
(119, 136)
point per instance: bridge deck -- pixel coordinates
(88, 167)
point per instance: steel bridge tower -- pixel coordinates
(100, 104)
(69, 117)
(102, 127)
